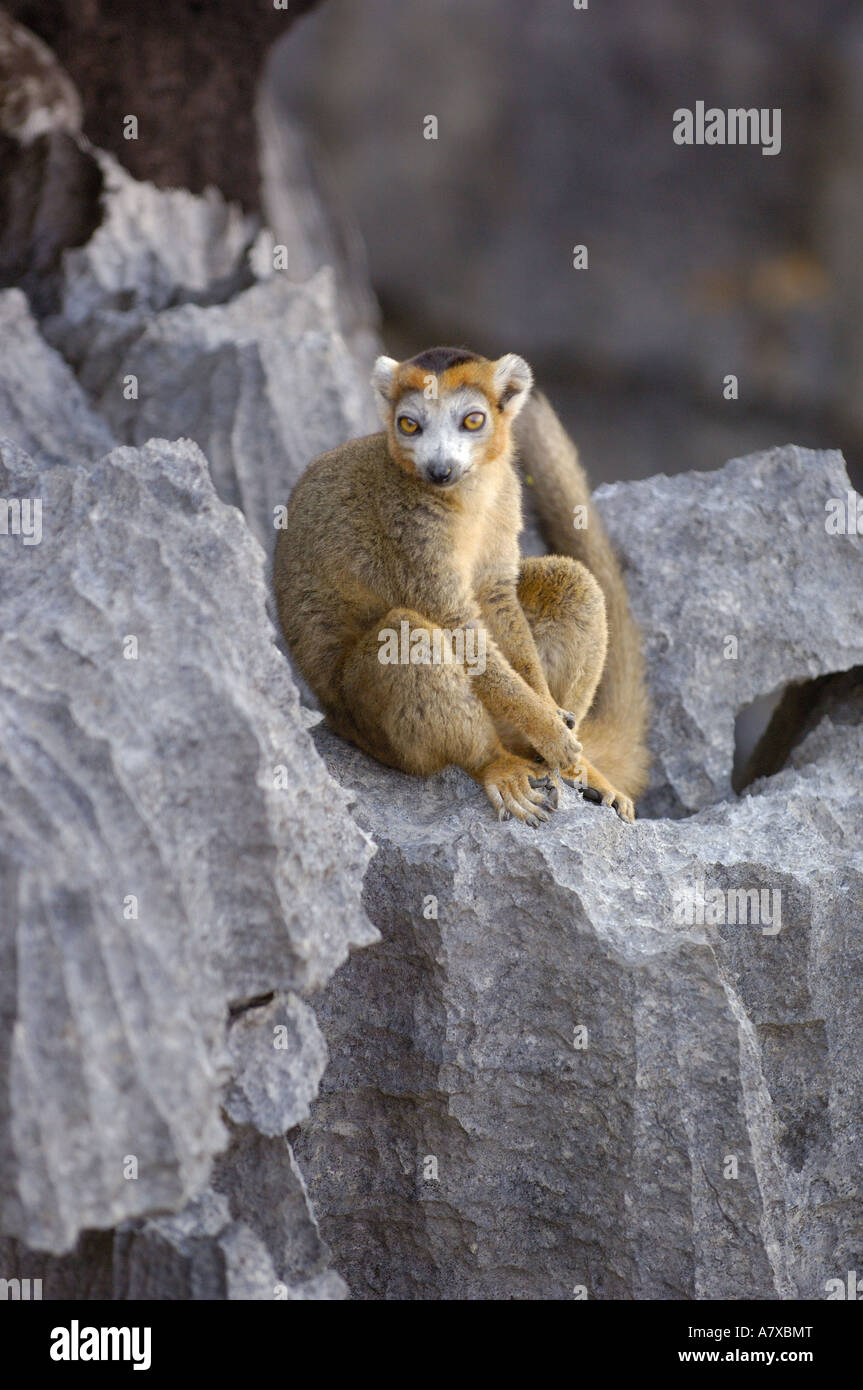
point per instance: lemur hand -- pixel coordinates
(556, 745)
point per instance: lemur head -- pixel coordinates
(448, 411)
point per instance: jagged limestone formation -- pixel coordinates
(42, 405)
(177, 323)
(624, 1060)
(178, 870)
(740, 587)
(176, 865)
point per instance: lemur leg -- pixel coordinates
(565, 608)
(421, 718)
(566, 611)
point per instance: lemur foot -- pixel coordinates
(595, 787)
(515, 788)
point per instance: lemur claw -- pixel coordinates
(623, 805)
(516, 793)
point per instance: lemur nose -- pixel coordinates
(439, 472)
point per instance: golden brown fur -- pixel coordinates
(615, 731)
(369, 543)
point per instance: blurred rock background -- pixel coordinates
(555, 129)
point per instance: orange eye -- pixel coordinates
(407, 425)
(474, 421)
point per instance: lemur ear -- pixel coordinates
(383, 376)
(512, 382)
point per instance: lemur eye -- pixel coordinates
(407, 425)
(474, 421)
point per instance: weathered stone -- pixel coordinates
(42, 406)
(171, 844)
(278, 1059)
(740, 588)
(250, 1236)
(153, 248)
(177, 325)
(176, 868)
(264, 384)
(701, 1139)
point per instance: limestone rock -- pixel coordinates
(249, 1236)
(264, 384)
(740, 588)
(42, 406)
(279, 1057)
(177, 324)
(152, 248)
(612, 1058)
(177, 871)
(171, 846)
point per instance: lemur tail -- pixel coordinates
(614, 730)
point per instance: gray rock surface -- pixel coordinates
(264, 384)
(739, 589)
(713, 1047)
(176, 869)
(152, 244)
(180, 293)
(250, 1235)
(42, 406)
(172, 848)
(153, 248)
(278, 1058)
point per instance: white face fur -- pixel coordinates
(445, 436)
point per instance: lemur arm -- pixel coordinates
(504, 691)
(505, 618)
